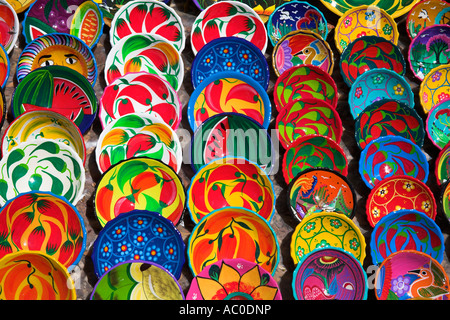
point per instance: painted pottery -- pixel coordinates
(438, 124)
(444, 200)
(5, 67)
(442, 165)
(9, 26)
(2, 107)
(426, 13)
(435, 87)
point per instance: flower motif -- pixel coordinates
(425, 97)
(370, 15)
(379, 78)
(397, 207)
(408, 186)
(443, 96)
(300, 252)
(348, 22)
(387, 29)
(256, 71)
(343, 44)
(229, 64)
(245, 56)
(436, 76)
(119, 231)
(354, 244)
(310, 226)
(358, 92)
(208, 60)
(382, 192)
(153, 253)
(171, 251)
(362, 34)
(226, 51)
(398, 89)
(400, 285)
(159, 230)
(335, 223)
(123, 248)
(138, 255)
(322, 244)
(139, 238)
(376, 212)
(426, 205)
(106, 250)
(140, 223)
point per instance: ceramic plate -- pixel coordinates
(438, 124)
(444, 202)
(442, 165)
(426, 13)
(390, 156)
(435, 87)
(139, 235)
(228, 19)
(10, 26)
(233, 233)
(329, 274)
(5, 67)
(141, 184)
(230, 54)
(396, 193)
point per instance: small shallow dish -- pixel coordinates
(234, 279)
(233, 233)
(38, 232)
(442, 165)
(139, 184)
(388, 117)
(397, 193)
(324, 230)
(5, 67)
(320, 189)
(390, 156)
(304, 81)
(139, 235)
(10, 26)
(438, 124)
(230, 54)
(444, 200)
(329, 274)
(424, 14)
(435, 87)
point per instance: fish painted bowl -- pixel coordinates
(390, 156)
(139, 235)
(232, 135)
(150, 17)
(329, 274)
(138, 135)
(438, 124)
(43, 124)
(302, 117)
(42, 165)
(140, 92)
(80, 18)
(378, 84)
(370, 52)
(228, 19)
(59, 89)
(302, 82)
(137, 280)
(139, 184)
(231, 54)
(444, 200)
(225, 92)
(230, 233)
(313, 151)
(442, 165)
(425, 13)
(44, 222)
(5, 67)
(300, 47)
(327, 229)
(230, 182)
(435, 87)
(234, 279)
(388, 117)
(320, 189)
(26, 275)
(398, 193)
(10, 26)
(145, 52)
(295, 15)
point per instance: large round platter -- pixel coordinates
(425, 13)
(442, 165)
(10, 26)
(438, 124)
(435, 87)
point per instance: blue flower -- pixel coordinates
(370, 15)
(159, 230)
(153, 253)
(139, 239)
(140, 222)
(245, 56)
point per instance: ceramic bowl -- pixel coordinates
(150, 17)
(228, 19)
(42, 165)
(329, 274)
(230, 182)
(230, 54)
(307, 116)
(442, 165)
(435, 87)
(140, 92)
(411, 274)
(145, 52)
(43, 124)
(233, 232)
(138, 135)
(325, 230)
(313, 151)
(20, 6)
(229, 91)
(424, 14)
(59, 89)
(10, 26)
(28, 275)
(300, 47)
(302, 82)
(232, 135)
(295, 15)
(80, 18)
(370, 52)
(53, 226)
(438, 124)
(234, 279)
(397, 193)
(139, 235)
(320, 189)
(137, 280)
(378, 84)
(388, 117)
(444, 200)
(390, 156)
(139, 184)
(5, 67)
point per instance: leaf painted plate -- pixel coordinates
(438, 124)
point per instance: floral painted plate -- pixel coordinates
(10, 26)
(435, 87)
(444, 198)
(438, 124)
(5, 67)
(425, 13)
(442, 165)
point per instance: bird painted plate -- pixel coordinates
(10, 26)
(426, 13)
(442, 165)
(438, 124)
(435, 87)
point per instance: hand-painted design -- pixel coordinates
(390, 156)
(442, 165)
(10, 26)
(2, 107)
(329, 274)
(324, 230)
(5, 67)
(20, 6)
(424, 14)
(230, 233)
(435, 87)
(41, 221)
(139, 235)
(139, 280)
(445, 200)
(27, 275)
(438, 124)
(141, 184)
(397, 193)
(388, 117)
(234, 279)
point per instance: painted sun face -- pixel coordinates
(62, 56)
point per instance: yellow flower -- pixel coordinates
(375, 212)
(382, 192)
(426, 205)
(408, 186)
(397, 207)
(398, 90)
